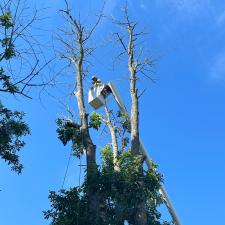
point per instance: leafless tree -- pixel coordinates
(76, 52)
(137, 65)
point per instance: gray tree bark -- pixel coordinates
(140, 217)
(112, 129)
(115, 148)
(77, 56)
(90, 148)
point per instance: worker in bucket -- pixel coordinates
(96, 82)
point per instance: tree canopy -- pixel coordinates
(12, 126)
(20, 68)
(121, 188)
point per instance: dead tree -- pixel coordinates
(136, 66)
(77, 54)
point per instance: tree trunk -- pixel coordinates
(135, 141)
(108, 122)
(140, 214)
(115, 148)
(90, 148)
(140, 217)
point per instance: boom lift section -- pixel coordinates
(97, 98)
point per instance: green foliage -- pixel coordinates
(132, 185)
(95, 120)
(126, 188)
(107, 157)
(68, 131)
(125, 121)
(66, 207)
(12, 126)
(7, 39)
(6, 20)
(8, 51)
(9, 48)
(6, 82)
(71, 208)
(12, 129)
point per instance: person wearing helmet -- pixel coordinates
(95, 81)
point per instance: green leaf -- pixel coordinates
(6, 20)
(95, 120)
(68, 131)
(12, 130)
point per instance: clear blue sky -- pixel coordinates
(182, 115)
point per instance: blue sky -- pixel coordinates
(182, 115)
